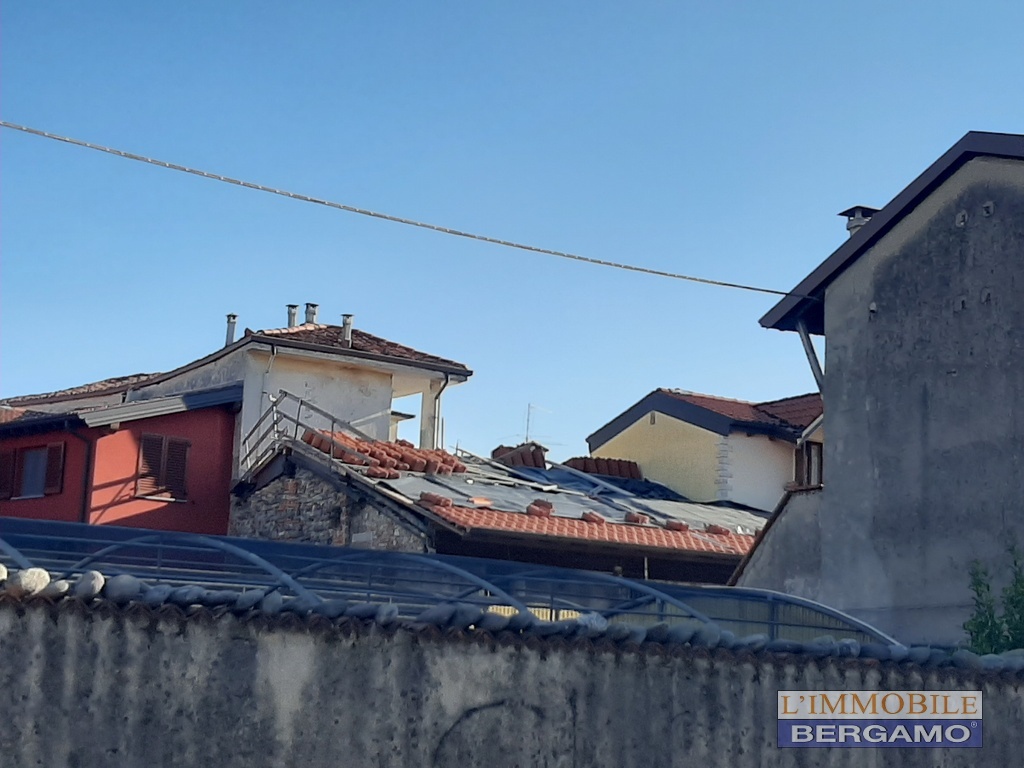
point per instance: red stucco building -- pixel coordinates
(163, 464)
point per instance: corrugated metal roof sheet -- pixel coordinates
(161, 406)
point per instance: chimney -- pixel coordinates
(293, 315)
(346, 324)
(311, 312)
(857, 217)
(230, 338)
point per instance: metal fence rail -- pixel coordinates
(412, 582)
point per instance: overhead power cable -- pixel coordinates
(389, 217)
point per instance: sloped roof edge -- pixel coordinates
(663, 401)
(806, 299)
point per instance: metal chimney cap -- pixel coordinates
(232, 316)
(859, 211)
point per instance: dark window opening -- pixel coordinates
(162, 467)
(31, 473)
(809, 466)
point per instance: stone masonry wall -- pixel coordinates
(307, 508)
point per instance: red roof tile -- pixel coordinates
(333, 336)
(383, 459)
(648, 536)
(609, 467)
(737, 410)
(799, 411)
(525, 455)
(796, 412)
(96, 388)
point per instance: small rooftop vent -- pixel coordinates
(857, 217)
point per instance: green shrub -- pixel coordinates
(991, 632)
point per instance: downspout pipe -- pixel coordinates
(437, 408)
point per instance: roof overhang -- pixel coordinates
(162, 406)
(56, 422)
(662, 402)
(589, 546)
(806, 302)
(456, 372)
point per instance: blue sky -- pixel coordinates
(714, 139)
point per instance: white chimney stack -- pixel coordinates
(311, 312)
(857, 217)
(230, 338)
(346, 324)
(293, 315)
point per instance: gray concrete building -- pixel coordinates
(922, 309)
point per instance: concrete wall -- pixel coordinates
(306, 507)
(359, 396)
(758, 469)
(95, 688)
(671, 452)
(923, 408)
(788, 557)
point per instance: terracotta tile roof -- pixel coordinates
(650, 536)
(796, 412)
(333, 336)
(526, 455)
(383, 460)
(104, 387)
(609, 467)
(799, 411)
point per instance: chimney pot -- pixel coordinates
(857, 217)
(293, 315)
(230, 338)
(311, 312)
(346, 324)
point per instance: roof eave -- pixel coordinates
(163, 406)
(459, 371)
(806, 300)
(662, 403)
(481, 533)
(59, 422)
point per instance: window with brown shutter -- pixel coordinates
(162, 467)
(177, 456)
(54, 468)
(32, 472)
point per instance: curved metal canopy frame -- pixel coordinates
(206, 541)
(66, 547)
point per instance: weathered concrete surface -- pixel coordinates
(788, 557)
(923, 411)
(94, 688)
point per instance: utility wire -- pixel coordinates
(389, 217)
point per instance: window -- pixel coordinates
(31, 473)
(162, 466)
(808, 465)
